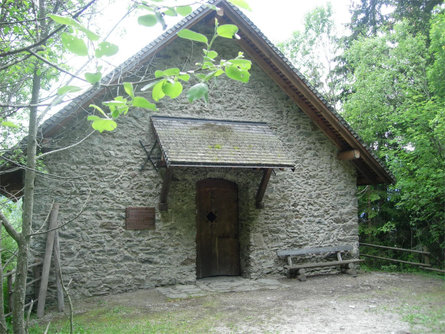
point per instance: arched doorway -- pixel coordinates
(217, 234)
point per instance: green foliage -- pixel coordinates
(184, 10)
(149, 20)
(241, 3)
(371, 17)
(68, 89)
(74, 44)
(193, 36)
(198, 91)
(12, 211)
(102, 124)
(142, 102)
(93, 78)
(68, 21)
(436, 72)
(227, 30)
(9, 124)
(106, 49)
(314, 52)
(396, 106)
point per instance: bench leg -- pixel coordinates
(349, 269)
(301, 275)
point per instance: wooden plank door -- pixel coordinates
(217, 241)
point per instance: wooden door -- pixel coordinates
(217, 241)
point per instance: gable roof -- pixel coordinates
(198, 142)
(370, 170)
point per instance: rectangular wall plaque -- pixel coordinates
(140, 218)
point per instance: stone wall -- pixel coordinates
(315, 205)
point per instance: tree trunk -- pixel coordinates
(28, 203)
(3, 328)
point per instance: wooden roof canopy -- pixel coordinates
(370, 170)
(198, 142)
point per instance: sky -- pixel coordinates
(276, 21)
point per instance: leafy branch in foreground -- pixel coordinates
(168, 82)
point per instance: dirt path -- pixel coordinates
(369, 303)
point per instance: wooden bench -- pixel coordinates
(298, 270)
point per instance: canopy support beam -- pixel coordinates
(163, 205)
(262, 188)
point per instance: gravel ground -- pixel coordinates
(373, 302)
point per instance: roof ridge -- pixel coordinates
(310, 86)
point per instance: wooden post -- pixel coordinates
(262, 188)
(58, 269)
(36, 271)
(349, 155)
(426, 257)
(163, 205)
(47, 260)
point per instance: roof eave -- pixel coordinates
(287, 69)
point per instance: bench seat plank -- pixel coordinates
(322, 264)
(319, 250)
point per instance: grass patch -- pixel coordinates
(426, 314)
(119, 319)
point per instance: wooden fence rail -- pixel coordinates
(420, 264)
(396, 248)
(425, 264)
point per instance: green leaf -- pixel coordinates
(172, 90)
(74, 44)
(90, 35)
(209, 76)
(142, 102)
(73, 23)
(157, 92)
(128, 87)
(235, 73)
(218, 73)
(184, 10)
(184, 76)
(148, 86)
(148, 20)
(193, 36)
(98, 109)
(93, 78)
(241, 4)
(117, 106)
(242, 63)
(102, 124)
(64, 20)
(374, 197)
(211, 54)
(159, 74)
(207, 65)
(227, 30)
(68, 89)
(9, 124)
(170, 12)
(198, 91)
(106, 49)
(172, 71)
